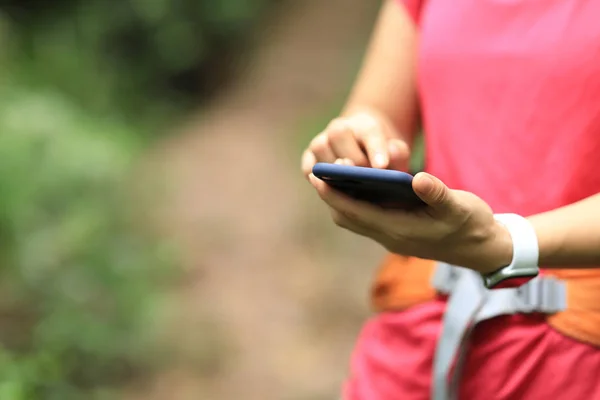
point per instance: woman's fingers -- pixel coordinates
(344, 144)
(360, 140)
(399, 155)
(321, 149)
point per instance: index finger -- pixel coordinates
(376, 147)
(370, 135)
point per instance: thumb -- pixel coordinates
(432, 191)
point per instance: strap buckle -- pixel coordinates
(542, 294)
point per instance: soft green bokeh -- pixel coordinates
(131, 57)
(84, 86)
(78, 279)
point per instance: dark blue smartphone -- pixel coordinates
(383, 187)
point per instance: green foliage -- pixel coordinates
(133, 57)
(78, 283)
(82, 83)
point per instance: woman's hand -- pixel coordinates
(456, 227)
(366, 139)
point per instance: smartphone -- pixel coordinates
(383, 187)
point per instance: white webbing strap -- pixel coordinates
(469, 303)
(463, 306)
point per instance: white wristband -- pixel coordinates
(525, 250)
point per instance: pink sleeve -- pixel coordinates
(413, 8)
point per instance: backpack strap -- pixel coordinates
(470, 302)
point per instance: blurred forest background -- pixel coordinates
(157, 240)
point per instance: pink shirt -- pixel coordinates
(510, 93)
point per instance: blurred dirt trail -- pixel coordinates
(274, 294)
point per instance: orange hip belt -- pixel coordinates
(402, 282)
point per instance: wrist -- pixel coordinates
(498, 252)
(525, 254)
(487, 251)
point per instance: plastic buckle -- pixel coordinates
(543, 294)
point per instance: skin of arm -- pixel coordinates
(379, 122)
(570, 236)
(386, 84)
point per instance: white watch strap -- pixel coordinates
(526, 250)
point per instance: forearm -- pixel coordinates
(570, 236)
(386, 84)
